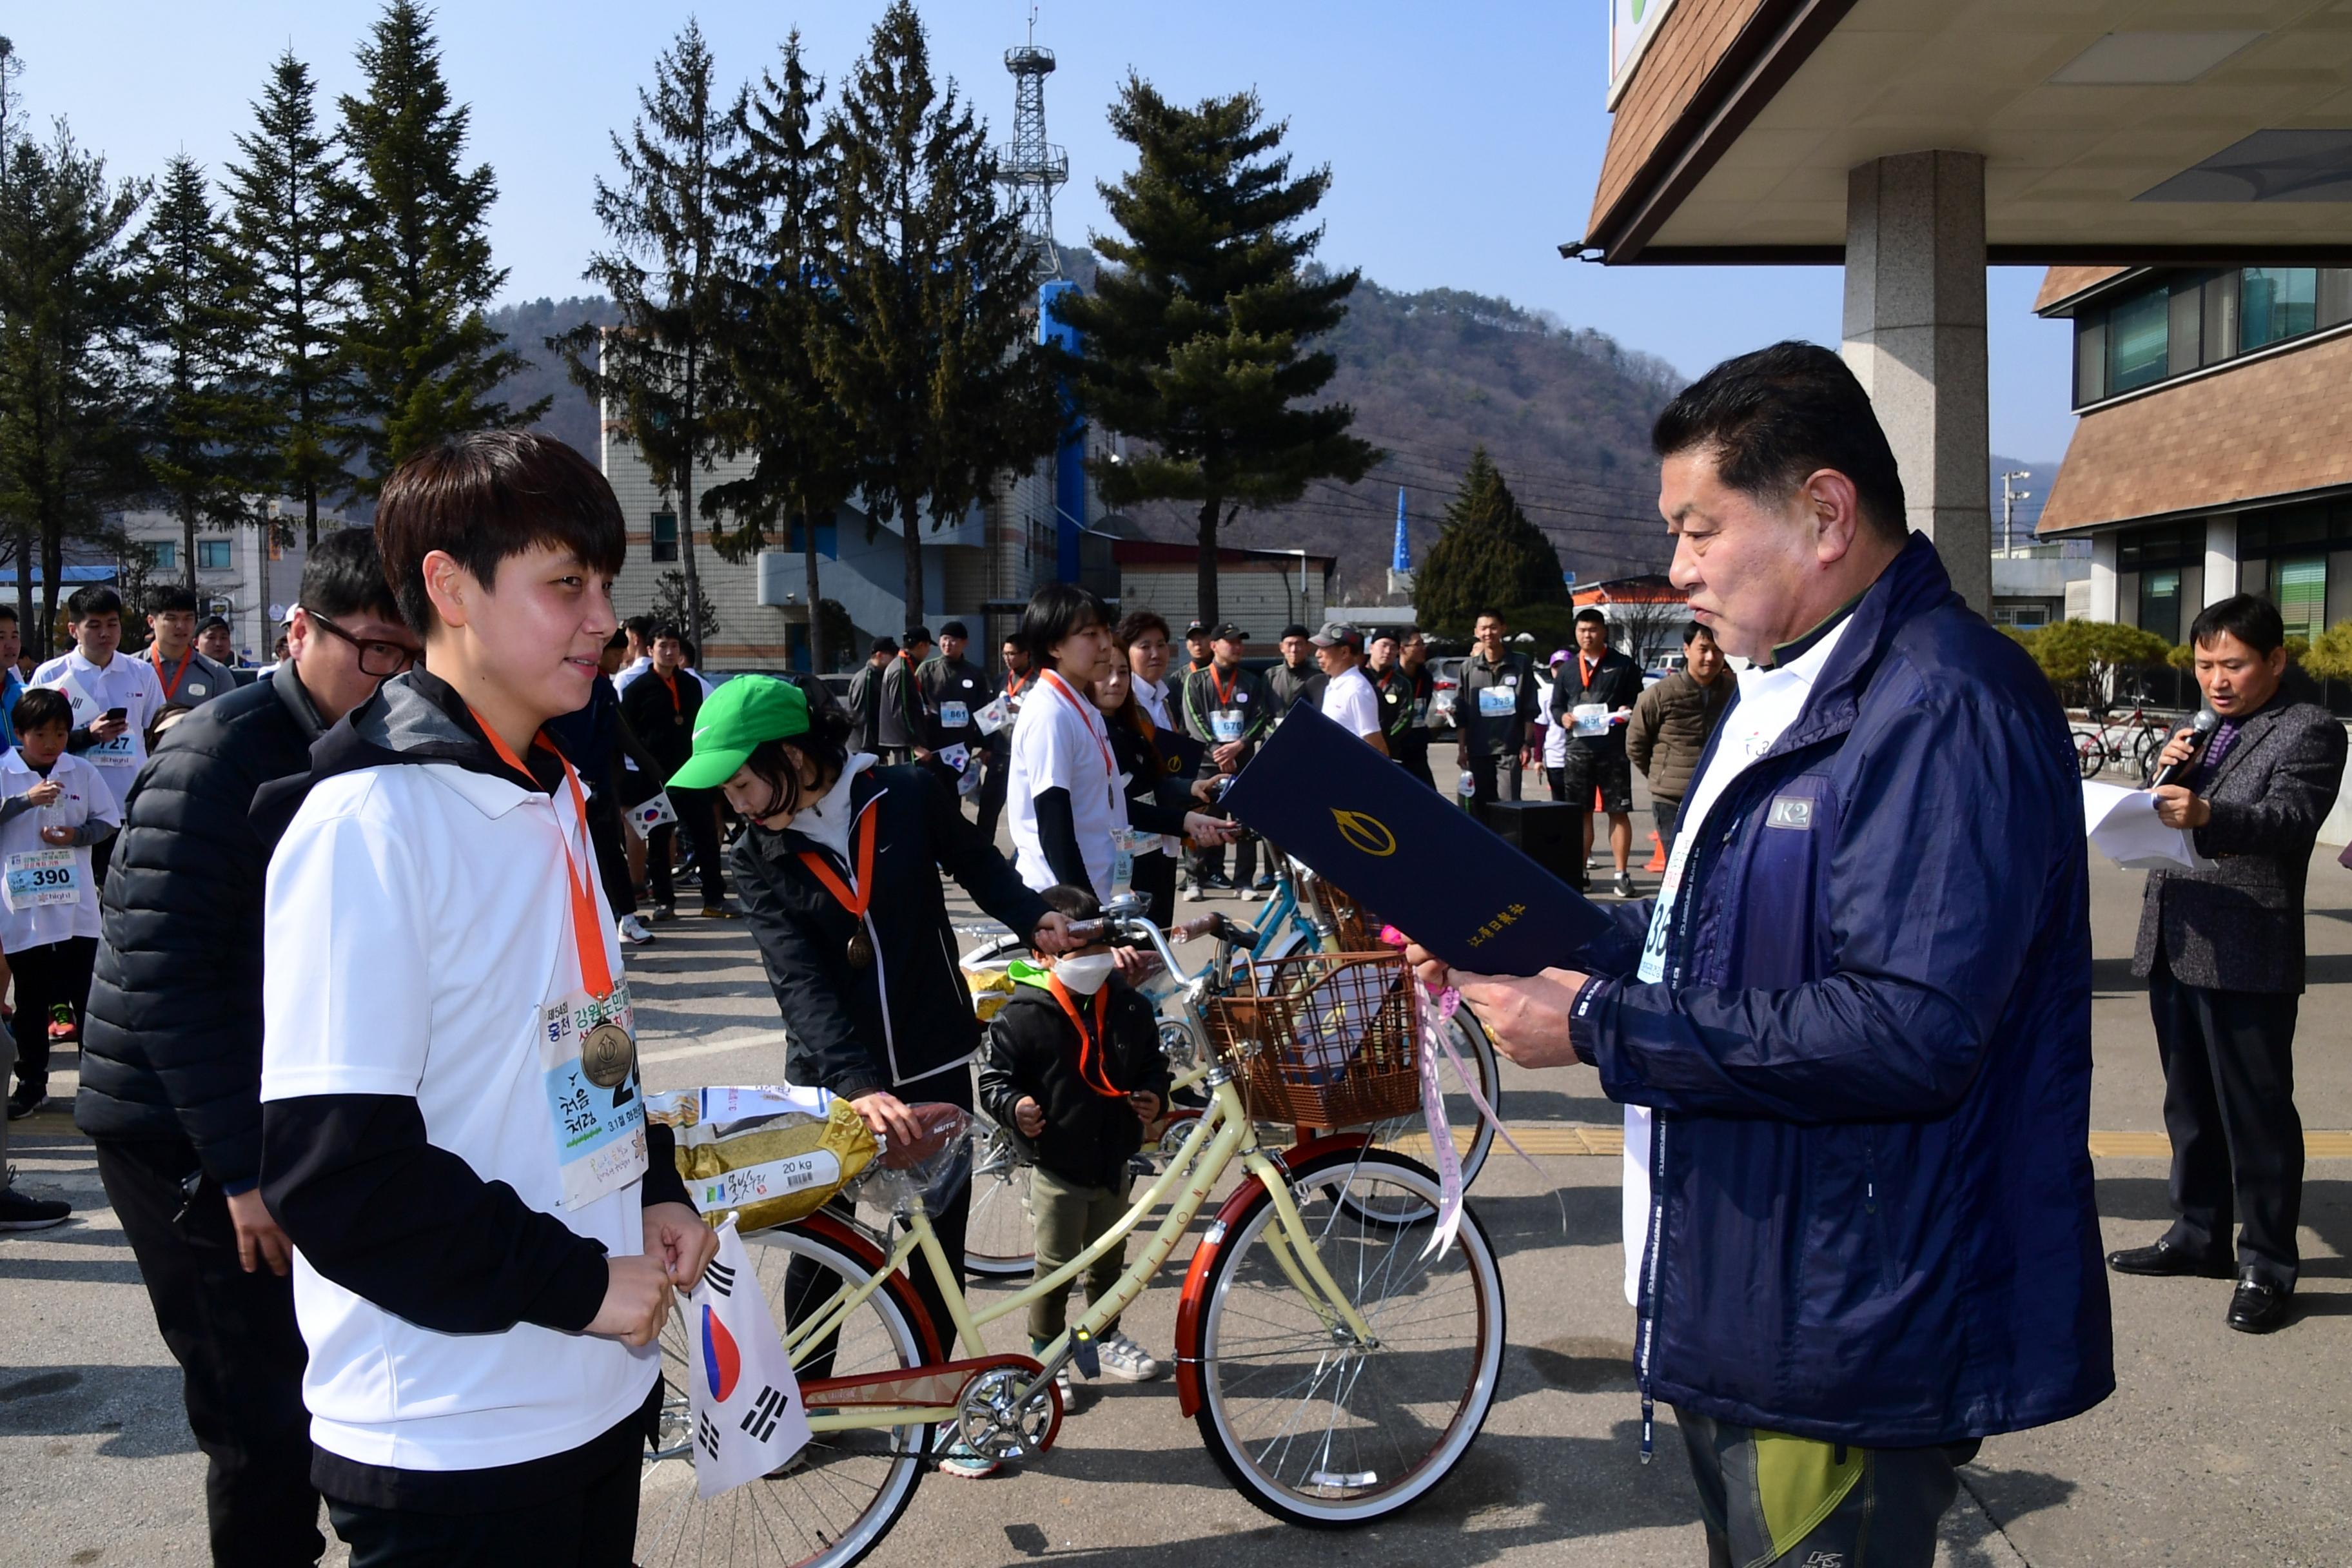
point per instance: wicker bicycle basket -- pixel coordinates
(1323, 1039)
(1355, 928)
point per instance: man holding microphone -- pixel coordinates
(1853, 1029)
(2221, 951)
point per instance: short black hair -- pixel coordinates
(173, 599)
(1016, 642)
(641, 624)
(1490, 615)
(344, 576)
(1070, 900)
(1135, 622)
(955, 629)
(667, 631)
(2252, 621)
(1697, 629)
(619, 639)
(39, 706)
(1593, 613)
(97, 599)
(1054, 612)
(1772, 417)
(488, 495)
(7, 612)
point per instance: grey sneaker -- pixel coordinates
(1127, 1360)
(1624, 885)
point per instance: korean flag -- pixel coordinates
(648, 814)
(748, 1419)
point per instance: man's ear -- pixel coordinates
(451, 588)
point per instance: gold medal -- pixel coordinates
(861, 949)
(606, 1055)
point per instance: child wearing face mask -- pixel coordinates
(1073, 1067)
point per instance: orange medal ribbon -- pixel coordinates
(1091, 1067)
(172, 686)
(595, 970)
(861, 949)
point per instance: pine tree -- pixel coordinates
(938, 375)
(423, 361)
(659, 371)
(69, 355)
(198, 405)
(777, 195)
(1488, 556)
(289, 235)
(1196, 337)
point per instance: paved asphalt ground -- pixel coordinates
(2217, 1449)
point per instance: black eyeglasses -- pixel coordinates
(376, 658)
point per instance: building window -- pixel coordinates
(212, 555)
(2138, 339)
(164, 557)
(2299, 588)
(2159, 603)
(2275, 303)
(665, 536)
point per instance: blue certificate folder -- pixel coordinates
(1407, 852)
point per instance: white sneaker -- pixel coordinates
(1193, 894)
(1127, 1360)
(633, 931)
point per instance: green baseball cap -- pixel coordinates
(736, 717)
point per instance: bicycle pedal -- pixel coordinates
(1083, 1351)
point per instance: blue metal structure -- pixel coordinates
(1403, 561)
(1070, 457)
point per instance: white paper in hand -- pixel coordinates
(2123, 827)
(746, 1404)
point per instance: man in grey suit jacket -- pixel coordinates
(2223, 953)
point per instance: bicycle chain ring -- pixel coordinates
(993, 1421)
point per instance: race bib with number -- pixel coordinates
(40, 876)
(1498, 701)
(1225, 724)
(120, 752)
(1589, 718)
(588, 1055)
(955, 715)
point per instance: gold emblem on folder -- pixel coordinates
(1369, 834)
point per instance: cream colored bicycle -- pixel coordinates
(1337, 1369)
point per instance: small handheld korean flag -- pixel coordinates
(648, 814)
(748, 1419)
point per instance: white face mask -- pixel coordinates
(1085, 973)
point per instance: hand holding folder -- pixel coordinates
(1423, 863)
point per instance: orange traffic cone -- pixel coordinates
(1657, 853)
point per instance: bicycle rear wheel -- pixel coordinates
(836, 1500)
(2090, 752)
(1312, 1427)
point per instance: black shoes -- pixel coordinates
(1215, 881)
(2257, 1306)
(2163, 1259)
(25, 1099)
(20, 1211)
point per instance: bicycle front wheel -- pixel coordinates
(2090, 753)
(1312, 1426)
(835, 1499)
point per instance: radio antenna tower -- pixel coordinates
(1030, 167)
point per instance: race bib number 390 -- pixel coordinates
(41, 876)
(596, 1111)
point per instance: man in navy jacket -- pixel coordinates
(1861, 1021)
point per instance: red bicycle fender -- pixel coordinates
(1188, 1308)
(850, 1239)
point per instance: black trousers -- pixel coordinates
(698, 818)
(240, 1354)
(1155, 878)
(47, 975)
(999, 772)
(594, 1526)
(1413, 756)
(2228, 1106)
(605, 830)
(101, 855)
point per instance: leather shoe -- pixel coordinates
(2164, 1259)
(2257, 1306)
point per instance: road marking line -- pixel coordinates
(1582, 1139)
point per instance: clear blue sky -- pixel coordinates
(1464, 141)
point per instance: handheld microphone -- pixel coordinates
(2204, 724)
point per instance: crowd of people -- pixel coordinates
(343, 946)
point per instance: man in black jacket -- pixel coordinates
(660, 706)
(2222, 951)
(952, 688)
(865, 696)
(1591, 700)
(171, 1079)
(1492, 707)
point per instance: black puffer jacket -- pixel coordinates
(1032, 1051)
(172, 1045)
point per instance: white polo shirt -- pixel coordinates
(1350, 701)
(417, 919)
(127, 682)
(25, 923)
(1060, 741)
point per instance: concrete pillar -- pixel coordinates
(1915, 334)
(2106, 549)
(2221, 557)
